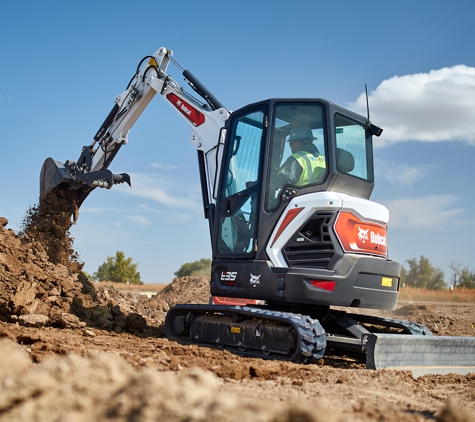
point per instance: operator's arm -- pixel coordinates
(289, 173)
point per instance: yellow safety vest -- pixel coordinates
(313, 167)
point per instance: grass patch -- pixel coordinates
(423, 295)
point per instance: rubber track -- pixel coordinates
(311, 338)
(410, 327)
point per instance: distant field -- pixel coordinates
(123, 286)
(405, 293)
(423, 295)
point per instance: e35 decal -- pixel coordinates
(228, 275)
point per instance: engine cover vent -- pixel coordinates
(312, 245)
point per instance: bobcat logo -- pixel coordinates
(363, 235)
(255, 280)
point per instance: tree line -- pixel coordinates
(420, 272)
(120, 269)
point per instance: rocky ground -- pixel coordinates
(73, 350)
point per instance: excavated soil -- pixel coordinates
(73, 350)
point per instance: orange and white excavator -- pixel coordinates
(293, 233)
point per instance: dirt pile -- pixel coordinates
(192, 289)
(35, 292)
(31, 284)
(454, 324)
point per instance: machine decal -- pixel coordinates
(254, 280)
(360, 236)
(233, 301)
(363, 235)
(193, 115)
(236, 330)
(387, 282)
(228, 276)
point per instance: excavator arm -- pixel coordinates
(206, 118)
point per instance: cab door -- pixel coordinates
(239, 195)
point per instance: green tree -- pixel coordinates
(466, 279)
(201, 267)
(119, 270)
(402, 281)
(423, 275)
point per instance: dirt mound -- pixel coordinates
(35, 292)
(192, 289)
(31, 284)
(438, 323)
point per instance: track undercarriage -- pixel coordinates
(248, 331)
(278, 334)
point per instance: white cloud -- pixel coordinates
(140, 220)
(163, 166)
(167, 217)
(164, 190)
(94, 210)
(429, 213)
(402, 174)
(434, 106)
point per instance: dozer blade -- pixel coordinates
(420, 354)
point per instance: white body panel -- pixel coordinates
(321, 201)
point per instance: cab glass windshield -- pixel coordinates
(354, 148)
(298, 149)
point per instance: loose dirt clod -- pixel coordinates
(49, 222)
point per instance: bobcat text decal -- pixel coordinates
(360, 236)
(193, 115)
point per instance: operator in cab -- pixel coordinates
(306, 165)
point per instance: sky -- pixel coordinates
(63, 63)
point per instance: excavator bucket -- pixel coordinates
(53, 174)
(67, 180)
(57, 185)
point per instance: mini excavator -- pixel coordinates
(285, 254)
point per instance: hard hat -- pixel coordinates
(300, 132)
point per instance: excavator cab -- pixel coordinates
(286, 229)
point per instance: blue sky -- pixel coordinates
(63, 63)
